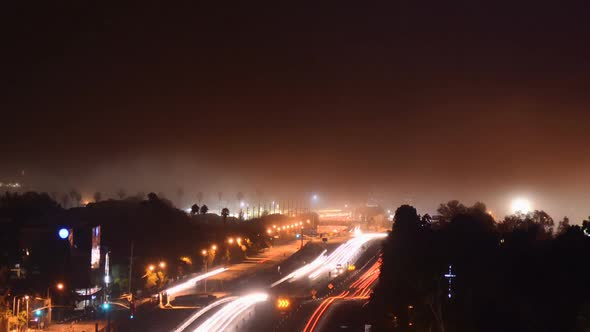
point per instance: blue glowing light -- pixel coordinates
(63, 233)
(38, 313)
(106, 305)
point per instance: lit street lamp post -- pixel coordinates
(27, 323)
(205, 254)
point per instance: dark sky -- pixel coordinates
(419, 101)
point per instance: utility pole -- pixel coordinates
(301, 237)
(131, 269)
(48, 306)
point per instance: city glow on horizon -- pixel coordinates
(521, 205)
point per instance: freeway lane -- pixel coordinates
(321, 268)
(358, 290)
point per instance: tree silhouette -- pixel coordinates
(204, 209)
(194, 209)
(259, 194)
(97, 196)
(121, 193)
(449, 210)
(152, 197)
(65, 201)
(224, 214)
(75, 196)
(563, 225)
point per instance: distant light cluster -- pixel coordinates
(10, 185)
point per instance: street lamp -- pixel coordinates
(230, 240)
(60, 287)
(162, 264)
(205, 254)
(151, 267)
(214, 247)
(27, 299)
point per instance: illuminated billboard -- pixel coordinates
(95, 251)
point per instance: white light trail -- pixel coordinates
(191, 282)
(345, 254)
(203, 311)
(303, 270)
(223, 318)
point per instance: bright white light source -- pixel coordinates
(63, 233)
(521, 205)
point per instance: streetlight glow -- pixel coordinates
(151, 267)
(162, 265)
(204, 252)
(214, 247)
(60, 286)
(521, 205)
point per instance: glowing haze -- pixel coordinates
(392, 103)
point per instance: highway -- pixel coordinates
(250, 291)
(323, 268)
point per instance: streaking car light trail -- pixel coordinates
(345, 254)
(203, 311)
(223, 318)
(191, 282)
(359, 290)
(306, 269)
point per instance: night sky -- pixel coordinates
(409, 101)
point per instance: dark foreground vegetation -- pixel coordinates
(167, 243)
(514, 275)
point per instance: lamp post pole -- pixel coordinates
(301, 237)
(48, 306)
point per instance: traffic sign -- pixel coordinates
(283, 304)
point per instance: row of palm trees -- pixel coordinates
(73, 198)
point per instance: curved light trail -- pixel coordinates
(345, 254)
(191, 282)
(203, 311)
(223, 318)
(359, 290)
(306, 269)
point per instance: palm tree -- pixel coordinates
(121, 193)
(75, 196)
(240, 197)
(194, 209)
(224, 214)
(65, 201)
(259, 195)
